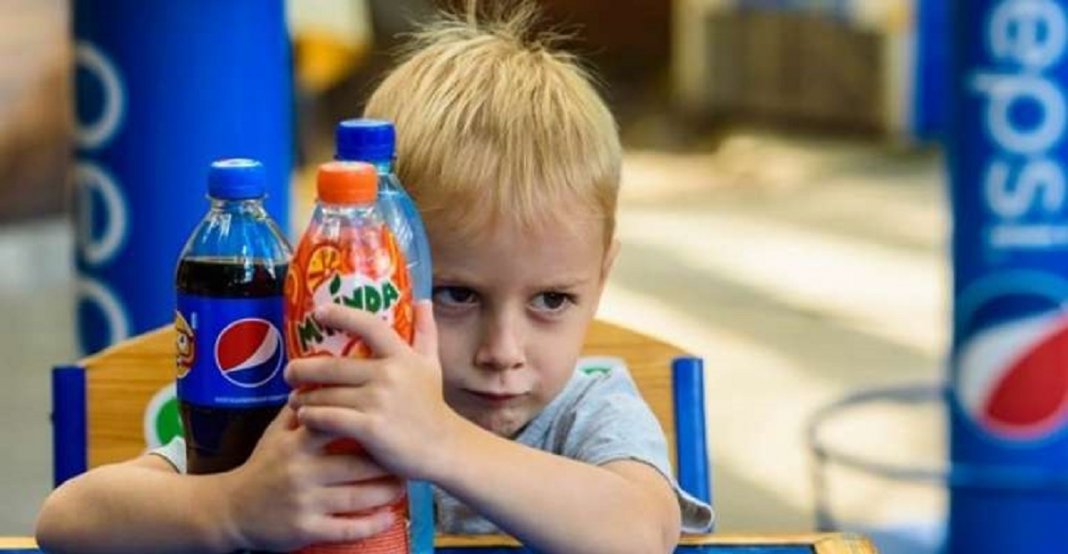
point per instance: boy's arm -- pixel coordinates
(141, 505)
(549, 502)
(393, 405)
(282, 498)
(560, 505)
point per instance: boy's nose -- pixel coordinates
(500, 348)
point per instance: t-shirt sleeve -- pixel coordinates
(173, 452)
(611, 423)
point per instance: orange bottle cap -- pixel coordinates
(347, 183)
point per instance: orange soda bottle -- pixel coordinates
(348, 256)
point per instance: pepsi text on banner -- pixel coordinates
(1024, 119)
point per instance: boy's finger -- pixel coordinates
(358, 497)
(377, 334)
(347, 468)
(330, 420)
(349, 528)
(284, 421)
(353, 398)
(313, 442)
(328, 370)
(426, 331)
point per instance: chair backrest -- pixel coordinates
(120, 383)
(649, 361)
(99, 403)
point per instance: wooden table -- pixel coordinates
(815, 543)
(821, 543)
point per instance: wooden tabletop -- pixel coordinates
(816, 543)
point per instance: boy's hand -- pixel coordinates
(392, 404)
(285, 495)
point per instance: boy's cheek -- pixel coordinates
(454, 340)
(450, 378)
(450, 391)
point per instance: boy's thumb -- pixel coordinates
(425, 340)
(286, 420)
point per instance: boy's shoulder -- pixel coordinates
(608, 368)
(600, 397)
(601, 375)
(595, 379)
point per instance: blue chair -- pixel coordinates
(113, 405)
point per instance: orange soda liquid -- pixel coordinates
(348, 256)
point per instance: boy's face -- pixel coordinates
(512, 307)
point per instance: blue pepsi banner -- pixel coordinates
(1009, 362)
(230, 351)
(930, 45)
(162, 90)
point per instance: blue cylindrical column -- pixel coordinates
(1008, 161)
(928, 95)
(162, 89)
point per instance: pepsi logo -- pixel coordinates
(1014, 377)
(248, 352)
(1011, 374)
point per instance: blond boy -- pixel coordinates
(514, 161)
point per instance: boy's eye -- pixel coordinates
(454, 296)
(552, 301)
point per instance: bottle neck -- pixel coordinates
(383, 166)
(344, 210)
(250, 206)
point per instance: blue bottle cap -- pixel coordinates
(365, 140)
(236, 179)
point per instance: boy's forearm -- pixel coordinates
(550, 502)
(118, 509)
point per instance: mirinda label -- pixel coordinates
(366, 272)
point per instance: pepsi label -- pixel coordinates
(230, 351)
(1009, 396)
(1011, 221)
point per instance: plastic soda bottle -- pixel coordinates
(230, 349)
(374, 141)
(349, 256)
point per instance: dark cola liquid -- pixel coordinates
(220, 439)
(229, 278)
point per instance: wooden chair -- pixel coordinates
(99, 405)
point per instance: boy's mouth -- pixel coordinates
(494, 398)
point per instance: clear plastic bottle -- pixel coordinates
(374, 141)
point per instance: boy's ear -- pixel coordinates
(609, 260)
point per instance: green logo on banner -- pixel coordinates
(162, 421)
(168, 421)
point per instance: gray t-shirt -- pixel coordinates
(598, 418)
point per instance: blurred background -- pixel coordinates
(783, 215)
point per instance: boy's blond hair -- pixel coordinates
(494, 126)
